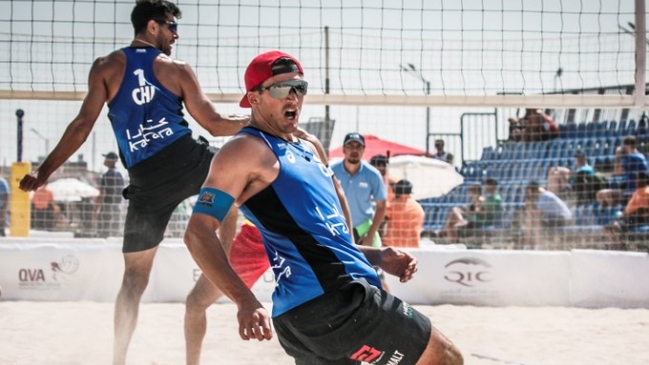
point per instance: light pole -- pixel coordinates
(412, 70)
(47, 141)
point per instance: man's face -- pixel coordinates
(167, 33)
(439, 146)
(490, 188)
(284, 113)
(353, 151)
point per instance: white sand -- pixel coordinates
(81, 333)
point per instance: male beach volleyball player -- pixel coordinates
(145, 89)
(328, 306)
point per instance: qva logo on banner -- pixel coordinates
(52, 277)
(468, 272)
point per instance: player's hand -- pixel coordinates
(32, 181)
(398, 263)
(254, 321)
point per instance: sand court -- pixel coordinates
(71, 333)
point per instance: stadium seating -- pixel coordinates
(513, 165)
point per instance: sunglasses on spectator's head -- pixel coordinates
(173, 26)
(282, 89)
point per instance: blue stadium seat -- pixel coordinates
(581, 130)
(571, 130)
(612, 128)
(591, 130)
(601, 130)
(631, 127)
(487, 154)
(621, 128)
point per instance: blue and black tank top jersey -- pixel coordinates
(303, 228)
(146, 117)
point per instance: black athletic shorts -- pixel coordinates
(356, 323)
(158, 184)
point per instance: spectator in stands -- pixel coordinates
(108, 205)
(4, 204)
(516, 126)
(543, 211)
(380, 162)
(404, 216)
(581, 182)
(466, 218)
(628, 162)
(539, 126)
(636, 212)
(441, 154)
(492, 205)
(43, 208)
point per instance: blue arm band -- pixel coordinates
(213, 202)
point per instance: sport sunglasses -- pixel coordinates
(173, 26)
(281, 90)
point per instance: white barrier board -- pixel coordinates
(92, 270)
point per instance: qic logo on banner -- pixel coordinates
(45, 278)
(470, 278)
(468, 272)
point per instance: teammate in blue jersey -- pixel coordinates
(145, 89)
(328, 305)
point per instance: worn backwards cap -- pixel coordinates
(265, 66)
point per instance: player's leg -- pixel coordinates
(143, 231)
(248, 259)
(440, 351)
(137, 268)
(199, 299)
(202, 296)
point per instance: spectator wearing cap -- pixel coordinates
(405, 218)
(543, 210)
(628, 162)
(364, 189)
(365, 193)
(441, 154)
(108, 205)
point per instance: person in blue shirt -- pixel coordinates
(328, 304)
(364, 189)
(543, 211)
(4, 204)
(145, 91)
(628, 162)
(108, 205)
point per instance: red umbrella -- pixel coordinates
(377, 146)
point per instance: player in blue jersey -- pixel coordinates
(145, 90)
(328, 305)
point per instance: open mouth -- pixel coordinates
(290, 114)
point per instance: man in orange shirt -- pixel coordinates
(636, 212)
(405, 218)
(42, 212)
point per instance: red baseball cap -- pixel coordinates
(260, 69)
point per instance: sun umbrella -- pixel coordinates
(378, 146)
(429, 177)
(71, 189)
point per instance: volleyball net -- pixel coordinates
(412, 72)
